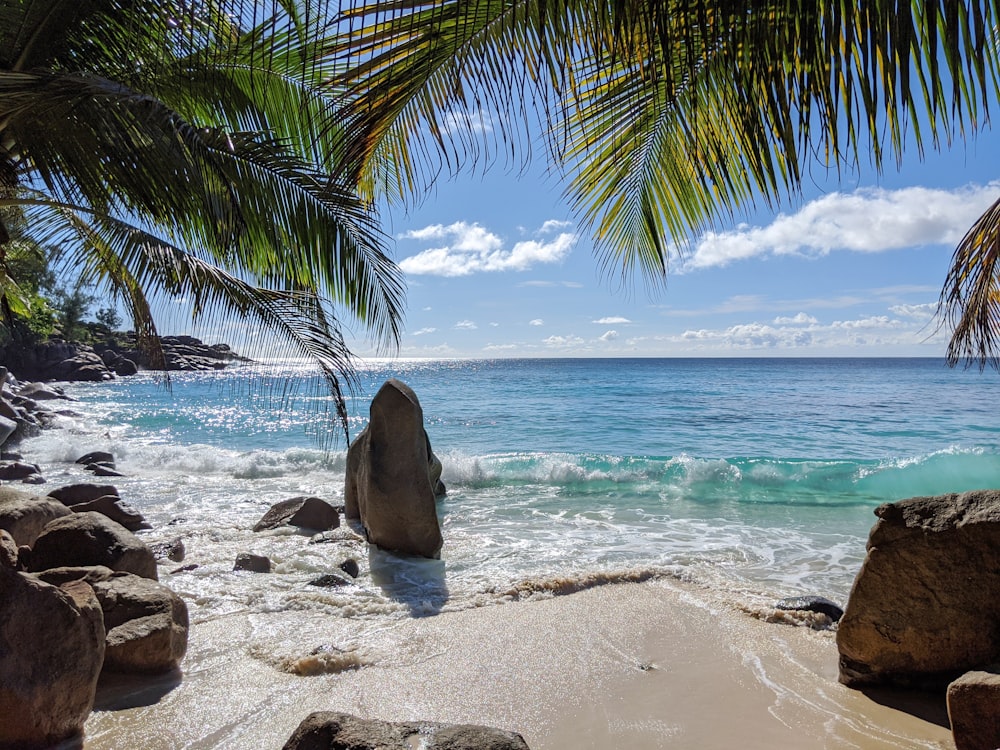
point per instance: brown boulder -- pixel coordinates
(304, 512)
(974, 710)
(146, 623)
(24, 516)
(52, 641)
(91, 539)
(388, 483)
(930, 580)
(329, 730)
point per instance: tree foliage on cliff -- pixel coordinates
(183, 150)
(669, 115)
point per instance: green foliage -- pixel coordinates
(109, 318)
(178, 150)
(71, 307)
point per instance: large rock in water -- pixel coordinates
(328, 730)
(51, 651)
(921, 609)
(388, 483)
(91, 539)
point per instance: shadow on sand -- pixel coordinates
(417, 582)
(930, 706)
(116, 692)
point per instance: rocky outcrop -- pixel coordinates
(919, 609)
(328, 729)
(184, 353)
(51, 651)
(303, 512)
(146, 623)
(388, 483)
(974, 710)
(56, 360)
(119, 355)
(24, 516)
(91, 539)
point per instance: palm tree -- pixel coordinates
(669, 115)
(182, 149)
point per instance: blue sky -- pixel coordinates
(496, 266)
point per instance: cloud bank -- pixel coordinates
(471, 248)
(866, 221)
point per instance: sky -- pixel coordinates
(498, 266)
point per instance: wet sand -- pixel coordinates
(658, 664)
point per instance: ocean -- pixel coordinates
(753, 477)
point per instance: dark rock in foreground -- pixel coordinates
(973, 700)
(51, 650)
(328, 730)
(921, 609)
(388, 483)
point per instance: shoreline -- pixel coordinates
(638, 665)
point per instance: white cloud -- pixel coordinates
(613, 320)
(536, 322)
(465, 325)
(920, 312)
(873, 321)
(868, 221)
(494, 324)
(561, 342)
(875, 331)
(499, 347)
(453, 121)
(470, 248)
(553, 225)
(799, 320)
(609, 336)
(422, 331)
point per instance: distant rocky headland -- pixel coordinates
(117, 356)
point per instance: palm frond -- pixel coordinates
(970, 299)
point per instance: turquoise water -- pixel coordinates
(758, 475)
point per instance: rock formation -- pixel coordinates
(91, 539)
(51, 651)
(146, 623)
(972, 710)
(388, 483)
(920, 608)
(328, 729)
(303, 512)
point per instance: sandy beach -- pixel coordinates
(650, 665)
